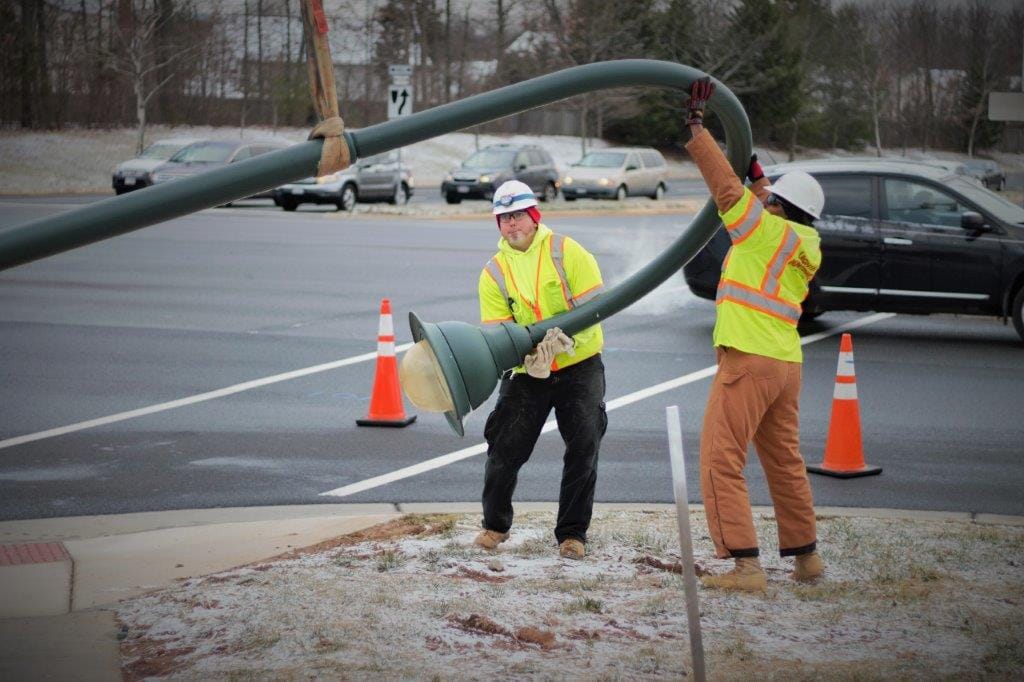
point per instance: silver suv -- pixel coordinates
(375, 178)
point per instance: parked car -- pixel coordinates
(989, 172)
(205, 155)
(902, 237)
(137, 173)
(616, 173)
(486, 169)
(375, 178)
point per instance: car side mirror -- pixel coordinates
(520, 166)
(631, 167)
(974, 222)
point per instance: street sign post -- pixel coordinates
(399, 100)
(400, 73)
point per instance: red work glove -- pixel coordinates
(755, 172)
(700, 92)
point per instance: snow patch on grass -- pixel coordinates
(419, 601)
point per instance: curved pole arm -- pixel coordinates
(129, 212)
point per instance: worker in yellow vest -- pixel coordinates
(755, 393)
(537, 274)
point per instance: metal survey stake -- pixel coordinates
(675, 451)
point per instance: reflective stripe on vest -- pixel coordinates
(746, 223)
(770, 284)
(558, 258)
(748, 297)
(557, 245)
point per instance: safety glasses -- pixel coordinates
(506, 218)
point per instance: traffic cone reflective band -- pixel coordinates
(844, 454)
(386, 402)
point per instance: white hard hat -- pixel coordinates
(801, 190)
(513, 196)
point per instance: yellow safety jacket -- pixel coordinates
(764, 281)
(553, 276)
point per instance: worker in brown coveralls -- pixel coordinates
(755, 393)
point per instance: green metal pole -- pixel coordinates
(118, 215)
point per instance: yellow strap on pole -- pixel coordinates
(320, 67)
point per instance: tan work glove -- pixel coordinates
(538, 361)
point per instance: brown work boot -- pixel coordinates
(489, 539)
(808, 568)
(571, 548)
(747, 576)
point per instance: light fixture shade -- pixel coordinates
(469, 359)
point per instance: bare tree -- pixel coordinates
(134, 53)
(982, 42)
(588, 31)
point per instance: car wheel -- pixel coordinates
(288, 204)
(453, 198)
(620, 193)
(347, 200)
(659, 192)
(401, 196)
(1018, 313)
(550, 192)
(568, 198)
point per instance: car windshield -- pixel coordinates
(602, 160)
(205, 152)
(489, 158)
(989, 201)
(159, 151)
(386, 157)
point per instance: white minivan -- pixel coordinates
(617, 173)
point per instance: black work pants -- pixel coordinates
(577, 395)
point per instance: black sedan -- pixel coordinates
(902, 237)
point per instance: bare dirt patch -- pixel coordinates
(903, 599)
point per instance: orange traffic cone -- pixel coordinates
(844, 455)
(386, 402)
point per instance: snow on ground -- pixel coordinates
(413, 599)
(82, 160)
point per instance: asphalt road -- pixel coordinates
(227, 296)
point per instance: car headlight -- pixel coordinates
(448, 178)
(485, 178)
(411, 181)
(327, 179)
(567, 180)
(603, 182)
(159, 177)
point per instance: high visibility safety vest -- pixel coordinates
(554, 275)
(765, 279)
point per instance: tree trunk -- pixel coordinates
(140, 115)
(245, 69)
(447, 52)
(792, 140)
(583, 127)
(877, 126)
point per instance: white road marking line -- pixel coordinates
(551, 425)
(191, 400)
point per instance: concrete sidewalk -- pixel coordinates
(57, 622)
